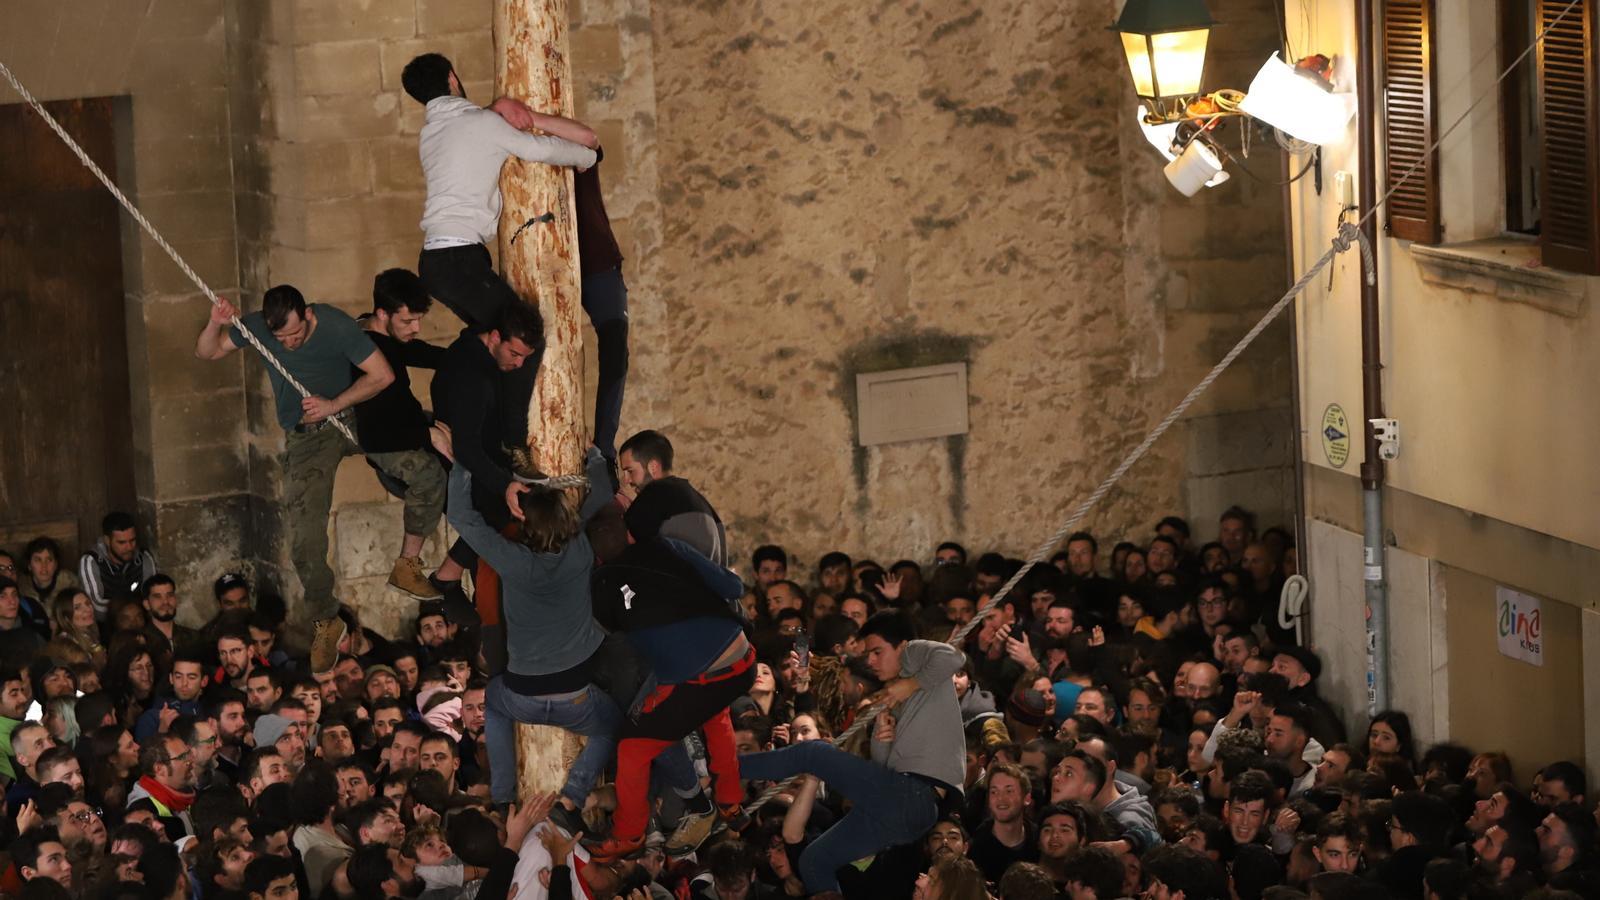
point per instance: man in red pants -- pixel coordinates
(680, 611)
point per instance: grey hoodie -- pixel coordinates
(928, 739)
(463, 146)
(1136, 816)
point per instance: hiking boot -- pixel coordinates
(408, 578)
(615, 848)
(326, 634)
(692, 831)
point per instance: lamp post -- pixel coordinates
(1165, 41)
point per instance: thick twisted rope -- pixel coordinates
(155, 235)
(1348, 235)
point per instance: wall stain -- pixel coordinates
(918, 348)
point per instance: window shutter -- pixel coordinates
(1408, 121)
(1570, 195)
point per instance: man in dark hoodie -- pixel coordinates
(680, 611)
(1419, 831)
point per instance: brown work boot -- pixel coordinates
(692, 831)
(408, 578)
(325, 637)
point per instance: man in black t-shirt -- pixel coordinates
(394, 420)
(666, 504)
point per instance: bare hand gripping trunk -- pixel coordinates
(540, 262)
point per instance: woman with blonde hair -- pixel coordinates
(72, 621)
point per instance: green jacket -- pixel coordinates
(6, 727)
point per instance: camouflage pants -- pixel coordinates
(310, 462)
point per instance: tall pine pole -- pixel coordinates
(541, 264)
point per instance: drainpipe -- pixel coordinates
(1372, 468)
(1296, 424)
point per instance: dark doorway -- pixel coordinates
(66, 442)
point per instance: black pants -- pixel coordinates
(464, 280)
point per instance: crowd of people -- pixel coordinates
(1139, 734)
(1134, 723)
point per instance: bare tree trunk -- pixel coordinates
(541, 264)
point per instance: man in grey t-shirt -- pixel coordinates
(319, 345)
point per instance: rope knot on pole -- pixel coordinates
(1350, 233)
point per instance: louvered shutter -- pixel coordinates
(1569, 196)
(1408, 121)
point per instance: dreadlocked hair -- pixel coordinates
(549, 517)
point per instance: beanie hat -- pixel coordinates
(269, 728)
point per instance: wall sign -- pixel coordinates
(1519, 626)
(1335, 436)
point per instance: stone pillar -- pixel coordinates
(541, 264)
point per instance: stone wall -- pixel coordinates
(802, 191)
(855, 187)
(169, 60)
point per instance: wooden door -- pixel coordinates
(66, 449)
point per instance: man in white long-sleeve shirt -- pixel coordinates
(463, 146)
(918, 755)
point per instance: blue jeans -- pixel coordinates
(886, 808)
(589, 712)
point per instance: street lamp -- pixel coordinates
(1165, 41)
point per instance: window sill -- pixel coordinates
(1506, 268)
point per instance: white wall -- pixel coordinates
(1418, 658)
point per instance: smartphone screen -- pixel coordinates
(802, 648)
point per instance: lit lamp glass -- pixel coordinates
(1165, 42)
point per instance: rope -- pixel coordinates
(149, 229)
(1348, 234)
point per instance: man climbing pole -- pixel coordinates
(463, 147)
(319, 344)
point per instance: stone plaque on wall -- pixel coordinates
(911, 404)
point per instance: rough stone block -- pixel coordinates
(338, 274)
(169, 362)
(367, 539)
(1236, 442)
(614, 139)
(1269, 493)
(381, 608)
(345, 67)
(320, 169)
(368, 536)
(362, 221)
(472, 54)
(164, 64)
(396, 166)
(214, 258)
(187, 472)
(596, 51)
(195, 541)
(316, 21)
(185, 18)
(357, 483)
(450, 16)
(182, 163)
(189, 215)
(194, 111)
(346, 115)
(198, 418)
